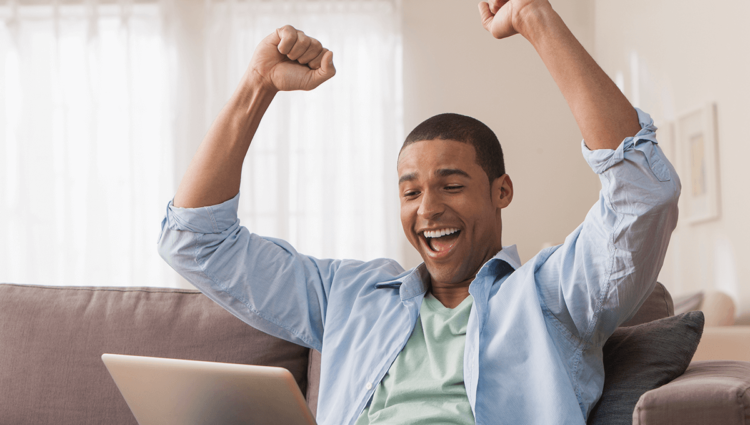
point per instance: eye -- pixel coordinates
(411, 193)
(454, 187)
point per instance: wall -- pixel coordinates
(674, 56)
(451, 64)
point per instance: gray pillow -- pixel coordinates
(658, 305)
(640, 358)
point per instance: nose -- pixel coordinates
(431, 206)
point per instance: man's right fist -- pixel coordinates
(290, 60)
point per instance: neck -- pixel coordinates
(451, 295)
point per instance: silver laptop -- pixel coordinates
(187, 392)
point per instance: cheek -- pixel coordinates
(478, 213)
(469, 206)
(408, 221)
(407, 218)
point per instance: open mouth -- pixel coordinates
(440, 241)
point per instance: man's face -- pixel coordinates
(444, 191)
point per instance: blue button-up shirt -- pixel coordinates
(533, 352)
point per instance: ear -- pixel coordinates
(502, 191)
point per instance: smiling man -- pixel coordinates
(453, 185)
(470, 335)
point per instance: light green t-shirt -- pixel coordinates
(425, 385)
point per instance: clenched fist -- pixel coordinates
(503, 18)
(290, 60)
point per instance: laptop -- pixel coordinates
(187, 392)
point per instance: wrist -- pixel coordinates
(536, 19)
(253, 81)
(253, 89)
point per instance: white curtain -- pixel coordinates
(104, 103)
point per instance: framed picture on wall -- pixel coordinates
(697, 149)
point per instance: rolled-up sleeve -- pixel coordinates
(606, 267)
(212, 219)
(263, 281)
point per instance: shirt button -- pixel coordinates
(368, 385)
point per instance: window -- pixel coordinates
(104, 105)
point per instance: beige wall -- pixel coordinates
(451, 64)
(689, 52)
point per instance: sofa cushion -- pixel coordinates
(709, 392)
(643, 357)
(52, 338)
(658, 305)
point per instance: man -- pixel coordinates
(470, 335)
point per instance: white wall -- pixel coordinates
(690, 52)
(451, 64)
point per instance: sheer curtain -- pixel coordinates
(85, 143)
(104, 103)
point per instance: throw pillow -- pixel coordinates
(643, 357)
(658, 305)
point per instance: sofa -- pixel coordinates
(51, 340)
(722, 339)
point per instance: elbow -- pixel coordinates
(174, 245)
(668, 189)
(163, 249)
(668, 195)
(658, 195)
(663, 211)
(664, 204)
(163, 245)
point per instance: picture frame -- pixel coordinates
(697, 152)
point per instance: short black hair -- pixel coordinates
(464, 129)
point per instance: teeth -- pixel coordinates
(439, 233)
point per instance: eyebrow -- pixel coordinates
(443, 172)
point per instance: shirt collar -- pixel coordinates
(415, 281)
(410, 283)
(509, 254)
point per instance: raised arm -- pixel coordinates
(604, 116)
(606, 267)
(263, 281)
(285, 60)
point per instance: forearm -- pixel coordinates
(286, 59)
(215, 171)
(604, 115)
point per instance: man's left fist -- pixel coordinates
(503, 18)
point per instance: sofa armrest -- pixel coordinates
(709, 392)
(724, 343)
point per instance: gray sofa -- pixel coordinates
(51, 340)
